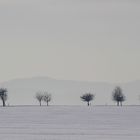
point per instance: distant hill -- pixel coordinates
(66, 92)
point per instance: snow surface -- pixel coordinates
(70, 123)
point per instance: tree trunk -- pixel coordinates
(121, 103)
(40, 103)
(3, 103)
(117, 103)
(47, 103)
(88, 103)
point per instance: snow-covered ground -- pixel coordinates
(70, 123)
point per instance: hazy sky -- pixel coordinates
(92, 40)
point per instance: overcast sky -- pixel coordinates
(91, 40)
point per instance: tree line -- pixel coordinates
(117, 96)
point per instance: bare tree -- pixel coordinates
(118, 96)
(3, 95)
(87, 97)
(39, 97)
(47, 97)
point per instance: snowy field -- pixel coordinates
(70, 123)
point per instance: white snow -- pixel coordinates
(70, 123)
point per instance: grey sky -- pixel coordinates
(70, 39)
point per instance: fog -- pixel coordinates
(74, 40)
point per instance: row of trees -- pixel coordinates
(117, 96)
(43, 96)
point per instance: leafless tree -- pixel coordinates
(47, 97)
(39, 97)
(87, 97)
(118, 96)
(3, 95)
